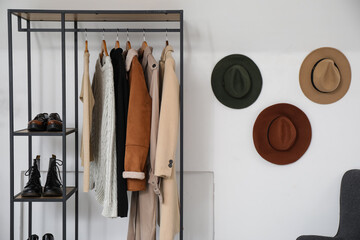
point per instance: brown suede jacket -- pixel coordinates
(138, 125)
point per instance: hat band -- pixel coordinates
(312, 75)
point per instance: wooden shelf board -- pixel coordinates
(100, 15)
(26, 132)
(69, 192)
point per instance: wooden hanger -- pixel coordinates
(86, 41)
(143, 45)
(103, 47)
(117, 43)
(128, 44)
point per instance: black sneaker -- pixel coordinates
(33, 186)
(39, 123)
(53, 185)
(54, 123)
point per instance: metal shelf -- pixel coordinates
(69, 192)
(26, 132)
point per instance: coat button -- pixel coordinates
(154, 65)
(171, 161)
(170, 165)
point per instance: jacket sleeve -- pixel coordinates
(138, 127)
(168, 122)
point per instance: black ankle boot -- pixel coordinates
(48, 236)
(53, 184)
(33, 237)
(33, 186)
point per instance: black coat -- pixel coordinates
(121, 86)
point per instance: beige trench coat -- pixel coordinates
(166, 146)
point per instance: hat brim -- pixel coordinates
(306, 71)
(218, 86)
(303, 133)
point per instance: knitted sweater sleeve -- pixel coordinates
(103, 168)
(110, 189)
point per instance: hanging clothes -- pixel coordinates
(138, 125)
(142, 222)
(87, 98)
(121, 87)
(166, 147)
(103, 139)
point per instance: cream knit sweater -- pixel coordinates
(103, 168)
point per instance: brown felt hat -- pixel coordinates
(282, 133)
(325, 75)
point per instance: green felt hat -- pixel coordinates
(236, 81)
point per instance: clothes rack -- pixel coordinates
(75, 16)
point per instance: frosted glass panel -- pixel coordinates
(198, 205)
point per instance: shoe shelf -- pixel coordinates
(26, 132)
(69, 192)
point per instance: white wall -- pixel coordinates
(254, 200)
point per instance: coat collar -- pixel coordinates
(131, 53)
(166, 52)
(148, 59)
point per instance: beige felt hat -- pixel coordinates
(325, 75)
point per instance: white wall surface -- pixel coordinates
(254, 200)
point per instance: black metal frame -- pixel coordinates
(65, 131)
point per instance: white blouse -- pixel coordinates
(103, 168)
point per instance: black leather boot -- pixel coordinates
(53, 181)
(48, 236)
(33, 237)
(33, 186)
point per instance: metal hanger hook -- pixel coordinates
(117, 34)
(86, 34)
(103, 34)
(144, 35)
(166, 35)
(127, 34)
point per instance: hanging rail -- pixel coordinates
(29, 29)
(99, 29)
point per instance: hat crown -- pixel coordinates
(326, 76)
(281, 133)
(237, 82)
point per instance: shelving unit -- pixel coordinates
(75, 16)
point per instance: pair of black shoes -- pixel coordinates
(47, 236)
(53, 185)
(45, 122)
